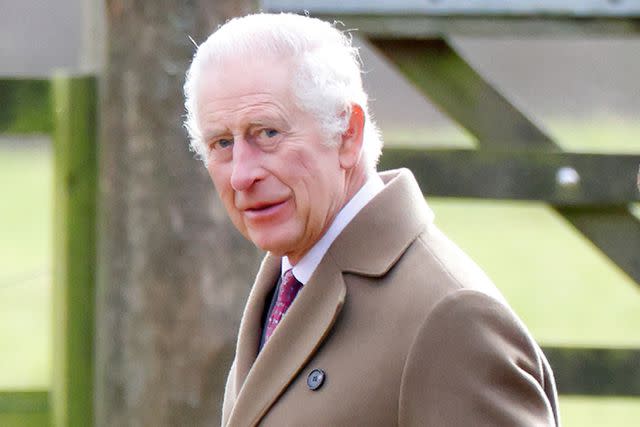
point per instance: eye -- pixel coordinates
(221, 144)
(267, 138)
(269, 133)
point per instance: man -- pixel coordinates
(362, 312)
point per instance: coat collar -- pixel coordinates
(372, 243)
(369, 245)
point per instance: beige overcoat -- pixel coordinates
(407, 329)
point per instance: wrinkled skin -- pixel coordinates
(279, 178)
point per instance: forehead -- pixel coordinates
(248, 86)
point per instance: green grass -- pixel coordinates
(577, 411)
(38, 419)
(25, 266)
(565, 291)
(598, 135)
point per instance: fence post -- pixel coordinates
(74, 263)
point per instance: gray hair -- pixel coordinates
(326, 82)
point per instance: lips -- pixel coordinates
(263, 210)
(262, 206)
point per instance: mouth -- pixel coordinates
(261, 210)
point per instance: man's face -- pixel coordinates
(280, 182)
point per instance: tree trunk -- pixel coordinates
(173, 273)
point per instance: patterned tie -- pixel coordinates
(288, 290)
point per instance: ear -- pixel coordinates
(352, 138)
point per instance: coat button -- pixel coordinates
(315, 379)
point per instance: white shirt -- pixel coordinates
(309, 262)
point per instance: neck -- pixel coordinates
(354, 180)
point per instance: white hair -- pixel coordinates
(326, 82)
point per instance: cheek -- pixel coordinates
(221, 182)
(218, 175)
(306, 173)
(315, 198)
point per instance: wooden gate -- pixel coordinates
(515, 159)
(65, 108)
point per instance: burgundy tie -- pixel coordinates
(288, 290)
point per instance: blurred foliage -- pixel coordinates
(25, 106)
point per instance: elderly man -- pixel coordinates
(363, 312)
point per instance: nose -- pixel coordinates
(246, 165)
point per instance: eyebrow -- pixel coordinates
(269, 120)
(215, 133)
(262, 119)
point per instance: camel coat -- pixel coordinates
(407, 329)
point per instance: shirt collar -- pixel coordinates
(309, 262)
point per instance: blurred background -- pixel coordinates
(583, 91)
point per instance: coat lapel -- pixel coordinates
(381, 232)
(295, 340)
(370, 245)
(250, 325)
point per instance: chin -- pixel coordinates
(275, 249)
(275, 244)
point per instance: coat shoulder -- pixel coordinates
(475, 361)
(433, 267)
(468, 344)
